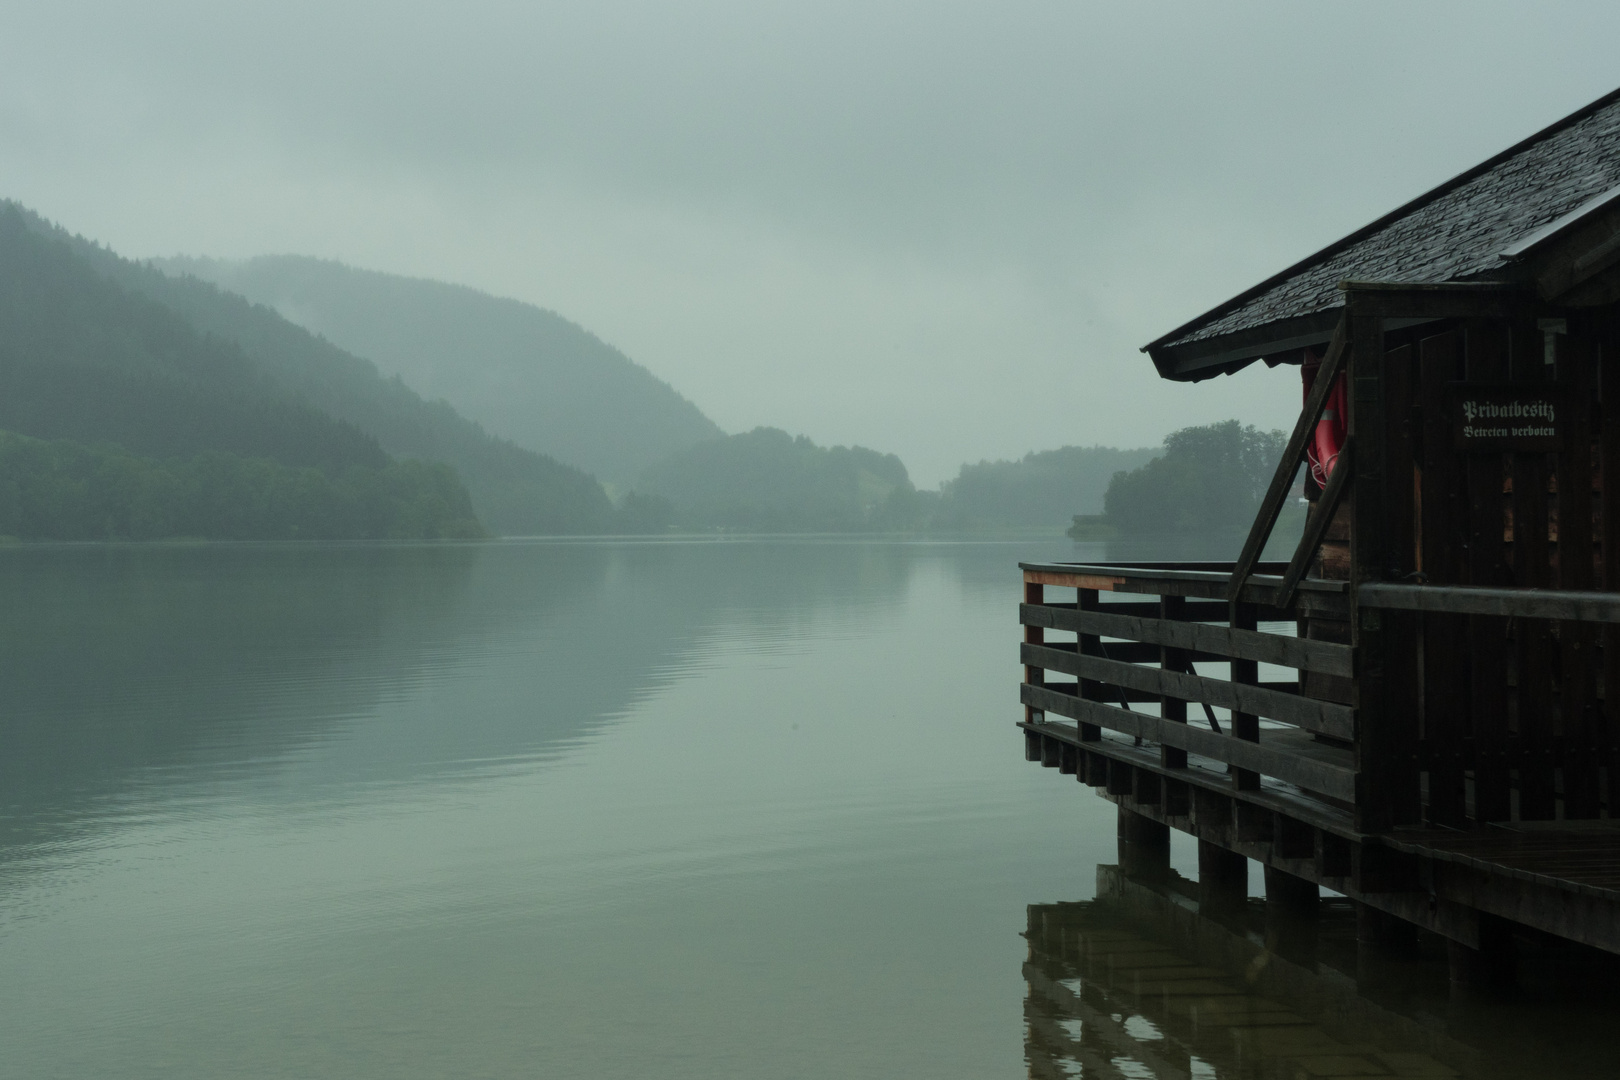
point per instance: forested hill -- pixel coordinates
(514, 491)
(142, 428)
(524, 373)
(1043, 489)
(82, 359)
(766, 480)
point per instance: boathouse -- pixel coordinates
(1418, 710)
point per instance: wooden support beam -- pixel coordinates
(1283, 478)
(1589, 607)
(1316, 530)
(1444, 637)
(1223, 880)
(1144, 846)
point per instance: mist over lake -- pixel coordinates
(592, 808)
(712, 540)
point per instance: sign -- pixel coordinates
(1526, 418)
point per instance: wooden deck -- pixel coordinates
(1243, 723)
(1421, 708)
(1578, 857)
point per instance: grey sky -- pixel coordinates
(941, 229)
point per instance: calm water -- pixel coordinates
(551, 809)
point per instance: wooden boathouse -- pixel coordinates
(1421, 709)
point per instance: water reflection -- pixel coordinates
(130, 673)
(1137, 984)
(429, 811)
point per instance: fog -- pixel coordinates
(938, 229)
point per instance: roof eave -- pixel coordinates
(1221, 310)
(1194, 361)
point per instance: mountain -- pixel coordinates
(65, 490)
(1046, 488)
(766, 480)
(514, 491)
(524, 373)
(119, 420)
(82, 359)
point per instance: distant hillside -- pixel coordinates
(63, 490)
(514, 491)
(1209, 479)
(144, 428)
(1040, 489)
(766, 480)
(524, 373)
(82, 359)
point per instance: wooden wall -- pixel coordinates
(1509, 715)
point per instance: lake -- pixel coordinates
(565, 809)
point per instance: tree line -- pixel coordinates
(97, 347)
(1209, 479)
(63, 490)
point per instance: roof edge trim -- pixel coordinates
(1524, 245)
(1229, 353)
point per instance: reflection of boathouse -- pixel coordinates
(1418, 710)
(1138, 984)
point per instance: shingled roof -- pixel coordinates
(1467, 229)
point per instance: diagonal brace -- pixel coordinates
(1277, 494)
(1317, 529)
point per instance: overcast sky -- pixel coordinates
(942, 229)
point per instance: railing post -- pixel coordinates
(1245, 725)
(1368, 562)
(1034, 593)
(1173, 608)
(1088, 645)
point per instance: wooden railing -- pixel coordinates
(1500, 700)
(1494, 701)
(1136, 645)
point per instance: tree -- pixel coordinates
(1209, 478)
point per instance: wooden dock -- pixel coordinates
(1220, 720)
(1421, 708)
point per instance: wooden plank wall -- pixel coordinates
(1444, 706)
(1608, 444)
(1577, 727)
(1512, 715)
(1485, 359)
(1533, 640)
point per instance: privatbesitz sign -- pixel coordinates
(1525, 418)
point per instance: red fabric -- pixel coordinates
(1322, 452)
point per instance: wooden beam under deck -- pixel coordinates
(1561, 878)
